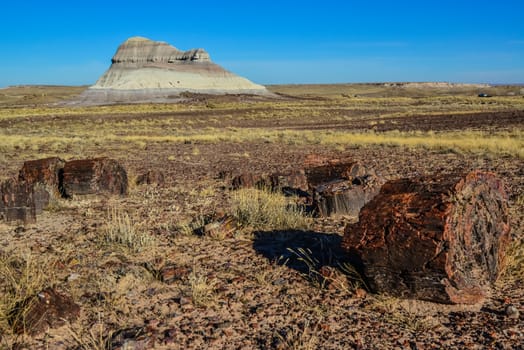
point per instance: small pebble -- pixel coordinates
(512, 312)
(73, 277)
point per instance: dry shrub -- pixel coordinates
(514, 265)
(201, 289)
(120, 229)
(21, 277)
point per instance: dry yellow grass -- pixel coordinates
(480, 142)
(21, 276)
(263, 209)
(122, 230)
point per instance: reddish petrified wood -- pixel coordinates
(45, 176)
(47, 171)
(438, 238)
(94, 176)
(16, 201)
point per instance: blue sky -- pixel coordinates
(270, 42)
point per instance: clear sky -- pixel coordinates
(72, 42)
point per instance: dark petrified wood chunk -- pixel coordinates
(47, 309)
(47, 171)
(438, 238)
(334, 170)
(343, 188)
(94, 176)
(292, 180)
(250, 180)
(16, 201)
(151, 177)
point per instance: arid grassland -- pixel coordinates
(146, 275)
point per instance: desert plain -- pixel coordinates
(145, 274)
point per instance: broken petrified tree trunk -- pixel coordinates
(94, 176)
(47, 171)
(45, 176)
(440, 239)
(16, 201)
(291, 180)
(342, 188)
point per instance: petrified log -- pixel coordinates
(16, 201)
(289, 181)
(45, 175)
(438, 238)
(94, 176)
(343, 197)
(47, 171)
(151, 177)
(250, 180)
(342, 188)
(334, 170)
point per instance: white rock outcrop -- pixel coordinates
(145, 70)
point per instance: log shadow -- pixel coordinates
(302, 251)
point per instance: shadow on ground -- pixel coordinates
(301, 250)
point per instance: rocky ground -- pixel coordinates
(250, 288)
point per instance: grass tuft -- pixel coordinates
(202, 289)
(21, 277)
(263, 209)
(121, 230)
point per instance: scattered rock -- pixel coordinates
(151, 177)
(172, 273)
(360, 293)
(440, 238)
(512, 312)
(333, 278)
(47, 309)
(94, 176)
(133, 338)
(220, 228)
(73, 277)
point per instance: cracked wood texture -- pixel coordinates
(47, 171)
(17, 202)
(94, 176)
(45, 176)
(342, 188)
(439, 238)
